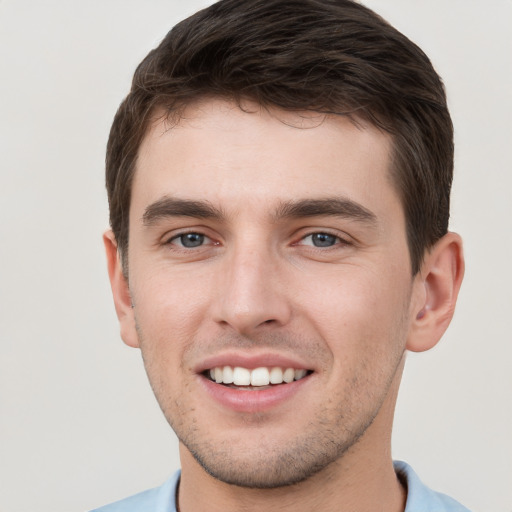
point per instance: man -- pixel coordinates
(279, 181)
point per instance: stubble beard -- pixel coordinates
(267, 464)
(264, 462)
(273, 467)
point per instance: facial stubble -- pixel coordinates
(264, 463)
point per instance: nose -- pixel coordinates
(251, 291)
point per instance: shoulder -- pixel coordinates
(422, 499)
(159, 499)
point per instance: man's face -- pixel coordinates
(272, 241)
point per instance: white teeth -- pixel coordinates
(227, 375)
(257, 377)
(276, 375)
(241, 376)
(260, 377)
(289, 375)
(299, 374)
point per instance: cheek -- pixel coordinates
(361, 320)
(169, 312)
(357, 307)
(171, 296)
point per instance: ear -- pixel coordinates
(120, 291)
(436, 288)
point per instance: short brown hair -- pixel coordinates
(329, 56)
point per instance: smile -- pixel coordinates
(257, 377)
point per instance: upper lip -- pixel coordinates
(251, 361)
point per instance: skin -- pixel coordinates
(257, 287)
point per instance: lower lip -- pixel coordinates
(258, 400)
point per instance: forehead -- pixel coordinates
(240, 156)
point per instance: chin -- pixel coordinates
(267, 466)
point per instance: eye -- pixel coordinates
(189, 240)
(321, 240)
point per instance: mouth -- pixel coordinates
(245, 379)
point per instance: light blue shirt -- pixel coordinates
(163, 499)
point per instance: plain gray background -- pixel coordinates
(79, 426)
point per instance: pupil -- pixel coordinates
(192, 239)
(323, 240)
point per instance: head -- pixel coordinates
(299, 55)
(279, 181)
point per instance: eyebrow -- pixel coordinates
(173, 207)
(334, 206)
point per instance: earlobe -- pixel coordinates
(120, 291)
(437, 286)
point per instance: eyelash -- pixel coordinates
(337, 240)
(171, 240)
